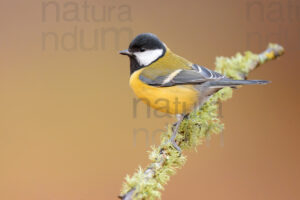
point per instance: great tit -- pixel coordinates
(170, 83)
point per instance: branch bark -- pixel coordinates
(147, 183)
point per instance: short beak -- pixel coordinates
(125, 52)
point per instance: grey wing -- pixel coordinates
(200, 74)
(196, 75)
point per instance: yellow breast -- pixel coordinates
(174, 100)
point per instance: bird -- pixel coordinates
(170, 83)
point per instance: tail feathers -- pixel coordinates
(232, 83)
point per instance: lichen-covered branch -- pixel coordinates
(147, 183)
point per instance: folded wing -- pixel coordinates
(195, 75)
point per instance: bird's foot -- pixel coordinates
(175, 145)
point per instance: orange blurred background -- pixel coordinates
(66, 111)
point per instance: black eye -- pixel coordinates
(142, 49)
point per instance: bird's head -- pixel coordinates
(144, 49)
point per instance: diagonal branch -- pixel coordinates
(147, 183)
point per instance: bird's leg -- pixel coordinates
(175, 130)
(177, 116)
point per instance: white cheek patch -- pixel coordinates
(147, 57)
